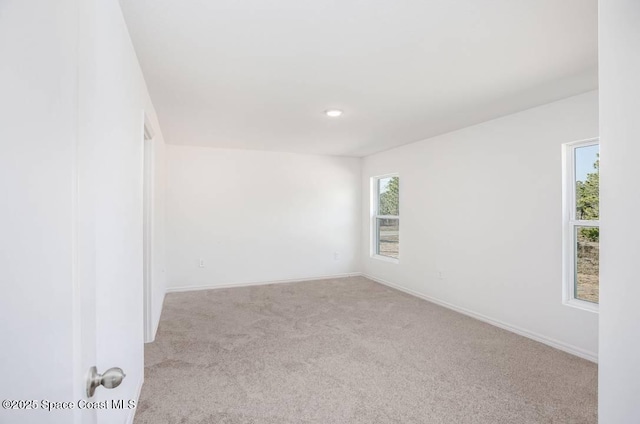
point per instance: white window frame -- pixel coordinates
(569, 224)
(375, 199)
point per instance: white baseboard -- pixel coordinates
(132, 412)
(259, 283)
(574, 350)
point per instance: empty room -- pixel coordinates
(282, 212)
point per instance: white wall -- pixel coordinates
(482, 206)
(71, 114)
(159, 272)
(114, 101)
(619, 371)
(257, 216)
(38, 86)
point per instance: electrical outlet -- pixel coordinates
(336, 256)
(201, 263)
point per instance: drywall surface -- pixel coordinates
(38, 82)
(619, 372)
(114, 102)
(254, 216)
(481, 220)
(71, 142)
(159, 272)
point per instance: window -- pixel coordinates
(581, 224)
(386, 217)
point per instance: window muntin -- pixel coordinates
(386, 217)
(582, 226)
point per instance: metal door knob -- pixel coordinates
(110, 379)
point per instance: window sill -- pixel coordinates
(581, 304)
(386, 259)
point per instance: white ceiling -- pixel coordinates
(258, 74)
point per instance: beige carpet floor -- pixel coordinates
(350, 351)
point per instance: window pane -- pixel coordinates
(388, 241)
(587, 179)
(587, 265)
(388, 196)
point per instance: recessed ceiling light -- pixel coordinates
(333, 113)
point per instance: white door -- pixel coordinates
(112, 116)
(71, 167)
(119, 256)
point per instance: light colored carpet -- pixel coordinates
(350, 351)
